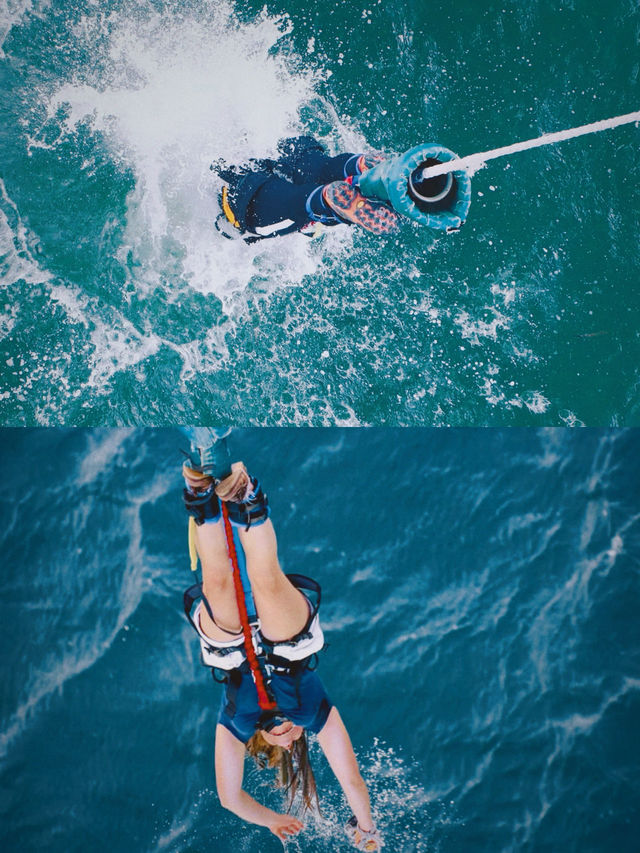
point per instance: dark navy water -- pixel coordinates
(121, 305)
(481, 597)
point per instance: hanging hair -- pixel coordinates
(293, 769)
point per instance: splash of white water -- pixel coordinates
(170, 93)
(12, 13)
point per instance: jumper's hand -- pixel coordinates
(234, 487)
(284, 825)
(197, 482)
(231, 488)
(370, 841)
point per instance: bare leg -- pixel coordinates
(217, 582)
(283, 610)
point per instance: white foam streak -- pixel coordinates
(474, 330)
(568, 728)
(16, 259)
(102, 448)
(595, 511)
(601, 468)
(118, 348)
(11, 14)
(116, 341)
(82, 650)
(572, 600)
(202, 357)
(479, 773)
(443, 613)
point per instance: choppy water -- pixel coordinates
(480, 602)
(121, 305)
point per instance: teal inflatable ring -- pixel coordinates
(398, 181)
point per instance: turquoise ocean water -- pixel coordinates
(480, 605)
(121, 305)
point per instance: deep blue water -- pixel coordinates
(480, 602)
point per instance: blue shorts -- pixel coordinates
(302, 699)
(278, 191)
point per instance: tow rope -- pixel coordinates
(265, 700)
(473, 162)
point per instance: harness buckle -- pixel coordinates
(255, 637)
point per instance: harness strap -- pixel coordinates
(190, 596)
(252, 613)
(193, 554)
(233, 681)
(324, 215)
(265, 700)
(226, 207)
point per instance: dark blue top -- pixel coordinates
(307, 706)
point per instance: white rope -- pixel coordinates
(474, 161)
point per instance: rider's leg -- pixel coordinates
(217, 583)
(304, 160)
(278, 205)
(283, 610)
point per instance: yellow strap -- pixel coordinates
(193, 554)
(226, 207)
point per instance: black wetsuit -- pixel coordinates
(273, 197)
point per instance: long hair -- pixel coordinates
(293, 769)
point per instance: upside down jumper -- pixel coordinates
(260, 633)
(305, 189)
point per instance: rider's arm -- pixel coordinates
(336, 745)
(229, 774)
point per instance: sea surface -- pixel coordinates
(481, 596)
(122, 305)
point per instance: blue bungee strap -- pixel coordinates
(244, 577)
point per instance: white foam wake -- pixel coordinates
(16, 259)
(82, 649)
(171, 93)
(117, 344)
(11, 14)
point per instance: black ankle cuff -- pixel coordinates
(253, 510)
(204, 507)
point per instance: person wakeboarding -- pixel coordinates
(259, 632)
(306, 189)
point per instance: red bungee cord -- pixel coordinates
(264, 700)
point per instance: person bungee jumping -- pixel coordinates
(306, 189)
(260, 633)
